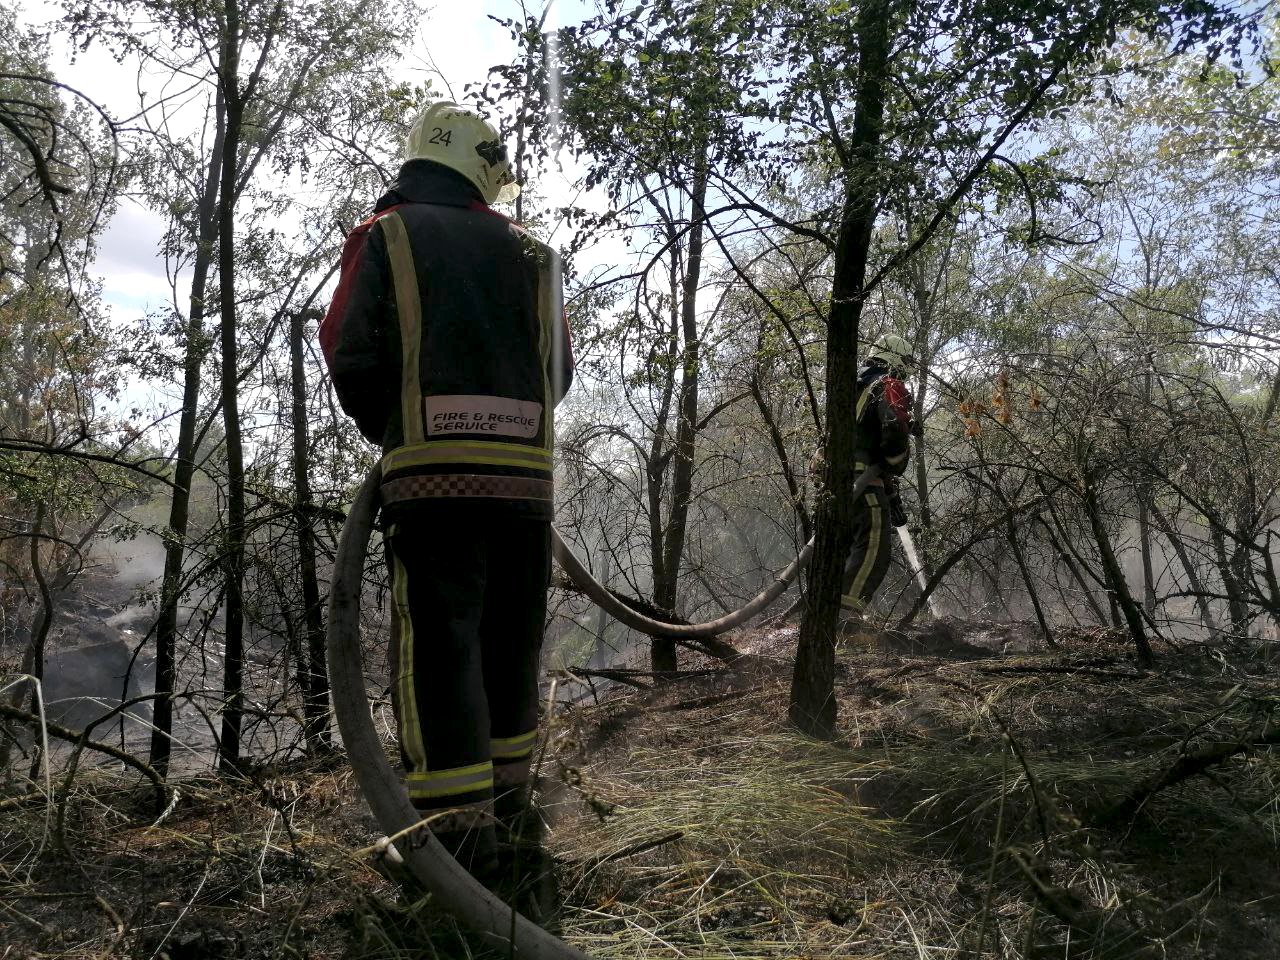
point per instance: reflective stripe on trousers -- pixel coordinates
(869, 558)
(469, 595)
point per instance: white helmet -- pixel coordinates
(895, 353)
(464, 141)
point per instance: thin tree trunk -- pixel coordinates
(663, 650)
(1188, 567)
(1144, 527)
(1011, 535)
(293, 641)
(784, 463)
(1273, 399)
(1236, 607)
(32, 664)
(316, 690)
(921, 466)
(1241, 562)
(1067, 561)
(600, 657)
(1119, 589)
(185, 455)
(655, 465)
(1144, 543)
(813, 704)
(234, 549)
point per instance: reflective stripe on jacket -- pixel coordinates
(447, 344)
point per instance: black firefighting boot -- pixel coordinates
(526, 872)
(475, 848)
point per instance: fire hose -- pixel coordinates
(607, 601)
(433, 866)
(430, 863)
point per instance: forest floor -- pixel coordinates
(986, 799)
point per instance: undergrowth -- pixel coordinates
(971, 810)
(1018, 808)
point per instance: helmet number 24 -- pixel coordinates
(439, 135)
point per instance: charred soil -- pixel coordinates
(986, 799)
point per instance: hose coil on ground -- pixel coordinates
(438, 872)
(449, 883)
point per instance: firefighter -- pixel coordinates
(885, 428)
(447, 345)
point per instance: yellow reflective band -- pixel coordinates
(896, 460)
(549, 307)
(404, 275)
(869, 557)
(438, 776)
(513, 748)
(467, 452)
(445, 783)
(862, 404)
(410, 727)
(449, 786)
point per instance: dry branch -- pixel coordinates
(75, 736)
(1185, 767)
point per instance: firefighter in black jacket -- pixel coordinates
(885, 428)
(447, 344)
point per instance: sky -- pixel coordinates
(455, 44)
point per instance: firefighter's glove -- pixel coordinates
(897, 512)
(917, 429)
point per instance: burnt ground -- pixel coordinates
(986, 798)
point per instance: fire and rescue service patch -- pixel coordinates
(491, 416)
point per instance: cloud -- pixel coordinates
(131, 242)
(129, 262)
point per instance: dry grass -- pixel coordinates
(963, 814)
(959, 815)
(234, 869)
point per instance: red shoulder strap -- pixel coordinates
(331, 325)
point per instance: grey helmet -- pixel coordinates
(895, 353)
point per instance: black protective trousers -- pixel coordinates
(469, 601)
(869, 559)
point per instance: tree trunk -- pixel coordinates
(663, 650)
(813, 705)
(1011, 534)
(1188, 566)
(1065, 557)
(600, 656)
(32, 664)
(922, 468)
(1236, 607)
(1273, 399)
(655, 465)
(234, 547)
(185, 455)
(33, 661)
(1118, 588)
(316, 689)
(1144, 528)
(1242, 571)
(1144, 543)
